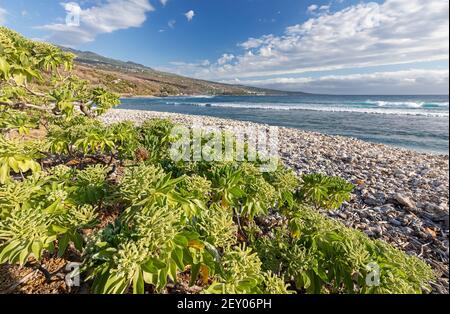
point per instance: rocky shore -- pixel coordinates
(401, 196)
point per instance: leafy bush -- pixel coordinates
(91, 184)
(16, 193)
(325, 256)
(155, 137)
(227, 183)
(197, 187)
(38, 211)
(148, 249)
(321, 191)
(126, 140)
(26, 231)
(87, 136)
(17, 120)
(139, 182)
(23, 61)
(259, 196)
(285, 183)
(17, 157)
(63, 135)
(240, 273)
(216, 225)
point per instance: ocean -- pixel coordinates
(419, 123)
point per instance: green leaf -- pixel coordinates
(4, 67)
(36, 248)
(138, 283)
(173, 271)
(23, 256)
(149, 278)
(180, 240)
(177, 256)
(4, 173)
(8, 248)
(149, 268)
(195, 270)
(19, 78)
(162, 278)
(63, 242)
(77, 241)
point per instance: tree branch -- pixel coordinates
(84, 107)
(26, 105)
(34, 93)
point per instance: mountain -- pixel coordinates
(133, 79)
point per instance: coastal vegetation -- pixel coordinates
(110, 198)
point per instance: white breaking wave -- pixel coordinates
(327, 108)
(405, 104)
(383, 111)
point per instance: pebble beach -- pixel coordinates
(401, 196)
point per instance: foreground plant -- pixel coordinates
(321, 255)
(17, 157)
(138, 220)
(150, 248)
(24, 62)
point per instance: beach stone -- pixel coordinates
(404, 201)
(372, 201)
(395, 222)
(347, 159)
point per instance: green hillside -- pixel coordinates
(133, 79)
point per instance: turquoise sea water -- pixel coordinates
(416, 122)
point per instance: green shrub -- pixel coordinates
(23, 61)
(285, 183)
(126, 139)
(27, 231)
(139, 182)
(17, 120)
(216, 225)
(156, 137)
(259, 196)
(91, 184)
(149, 248)
(325, 256)
(240, 273)
(322, 191)
(17, 157)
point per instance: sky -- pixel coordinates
(317, 46)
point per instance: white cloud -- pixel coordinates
(324, 7)
(190, 15)
(361, 35)
(407, 82)
(225, 59)
(312, 8)
(164, 2)
(172, 23)
(3, 14)
(103, 18)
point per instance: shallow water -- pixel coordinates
(416, 122)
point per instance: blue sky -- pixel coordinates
(333, 46)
